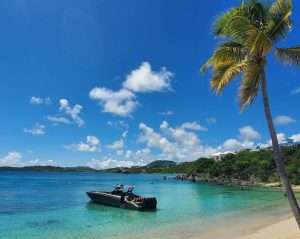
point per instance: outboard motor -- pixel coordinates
(149, 203)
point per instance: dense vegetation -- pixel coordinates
(255, 166)
(161, 163)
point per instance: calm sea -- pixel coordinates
(54, 205)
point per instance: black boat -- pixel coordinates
(123, 199)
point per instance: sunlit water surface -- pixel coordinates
(54, 205)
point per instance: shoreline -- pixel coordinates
(284, 229)
(196, 178)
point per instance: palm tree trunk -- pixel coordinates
(278, 157)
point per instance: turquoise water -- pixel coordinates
(54, 205)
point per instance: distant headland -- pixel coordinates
(249, 167)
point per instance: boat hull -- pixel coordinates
(109, 199)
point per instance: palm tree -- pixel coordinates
(249, 33)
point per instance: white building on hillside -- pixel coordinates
(220, 155)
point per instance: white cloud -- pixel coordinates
(295, 138)
(38, 162)
(283, 120)
(108, 162)
(144, 79)
(155, 140)
(117, 145)
(120, 124)
(120, 152)
(92, 144)
(72, 112)
(120, 102)
(12, 159)
(247, 139)
(37, 129)
(232, 145)
(247, 133)
(59, 120)
(211, 120)
(178, 144)
(295, 91)
(39, 101)
(193, 126)
(123, 102)
(36, 100)
(281, 138)
(167, 113)
(125, 134)
(68, 114)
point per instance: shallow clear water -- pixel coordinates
(54, 205)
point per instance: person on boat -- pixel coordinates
(119, 189)
(130, 190)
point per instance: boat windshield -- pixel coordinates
(120, 188)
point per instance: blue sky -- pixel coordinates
(109, 83)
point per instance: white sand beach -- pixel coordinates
(286, 229)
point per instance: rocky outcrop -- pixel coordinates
(196, 177)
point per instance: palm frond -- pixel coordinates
(255, 11)
(239, 29)
(279, 7)
(227, 53)
(221, 23)
(290, 55)
(250, 84)
(279, 22)
(208, 64)
(223, 75)
(258, 43)
(252, 37)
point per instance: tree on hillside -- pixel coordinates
(249, 33)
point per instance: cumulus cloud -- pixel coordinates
(11, 159)
(68, 114)
(193, 126)
(284, 120)
(59, 120)
(123, 102)
(232, 145)
(178, 144)
(14, 159)
(92, 144)
(281, 138)
(37, 130)
(120, 102)
(38, 162)
(119, 124)
(144, 79)
(72, 112)
(40, 101)
(108, 162)
(117, 145)
(247, 133)
(247, 139)
(155, 140)
(295, 138)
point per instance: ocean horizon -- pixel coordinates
(55, 205)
